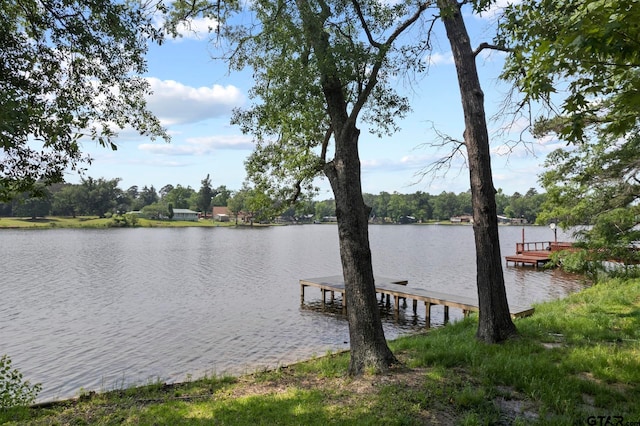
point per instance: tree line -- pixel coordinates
(103, 197)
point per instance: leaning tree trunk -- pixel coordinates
(368, 345)
(495, 323)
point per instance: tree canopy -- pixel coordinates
(290, 119)
(584, 54)
(596, 184)
(69, 71)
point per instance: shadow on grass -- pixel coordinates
(37, 220)
(291, 407)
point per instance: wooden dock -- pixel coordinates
(399, 289)
(532, 258)
(535, 253)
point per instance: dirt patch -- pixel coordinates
(363, 385)
(346, 391)
(516, 409)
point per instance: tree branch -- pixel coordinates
(430, 30)
(356, 6)
(325, 144)
(381, 55)
(490, 46)
(296, 194)
(441, 166)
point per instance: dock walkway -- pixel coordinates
(399, 289)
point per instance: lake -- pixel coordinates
(102, 309)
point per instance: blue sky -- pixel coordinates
(193, 95)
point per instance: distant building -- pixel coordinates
(221, 214)
(462, 219)
(503, 219)
(407, 219)
(519, 221)
(512, 220)
(307, 218)
(185, 214)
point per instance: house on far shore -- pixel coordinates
(221, 214)
(512, 220)
(185, 214)
(462, 219)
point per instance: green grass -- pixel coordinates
(96, 222)
(575, 358)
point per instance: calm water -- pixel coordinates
(100, 309)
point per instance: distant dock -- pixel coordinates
(399, 289)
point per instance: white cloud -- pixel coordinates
(197, 29)
(538, 148)
(439, 58)
(511, 126)
(407, 162)
(175, 103)
(199, 145)
(496, 8)
(517, 150)
(223, 142)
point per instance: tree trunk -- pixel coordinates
(495, 323)
(368, 345)
(369, 350)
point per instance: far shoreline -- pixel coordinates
(95, 222)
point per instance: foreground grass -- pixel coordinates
(96, 222)
(576, 359)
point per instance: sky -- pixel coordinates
(194, 95)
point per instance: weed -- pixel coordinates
(14, 391)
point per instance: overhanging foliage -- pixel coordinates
(69, 71)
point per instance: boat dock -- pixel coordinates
(399, 289)
(535, 253)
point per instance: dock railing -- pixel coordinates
(542, 246)
(533, 246)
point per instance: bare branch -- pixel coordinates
(430, 30)
(490, 46)
(441, 166)
(421, 8)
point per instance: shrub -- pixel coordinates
(126, 220)
(577, 261)
(14, 391)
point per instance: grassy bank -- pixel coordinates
(576, 359)
(96, 222)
